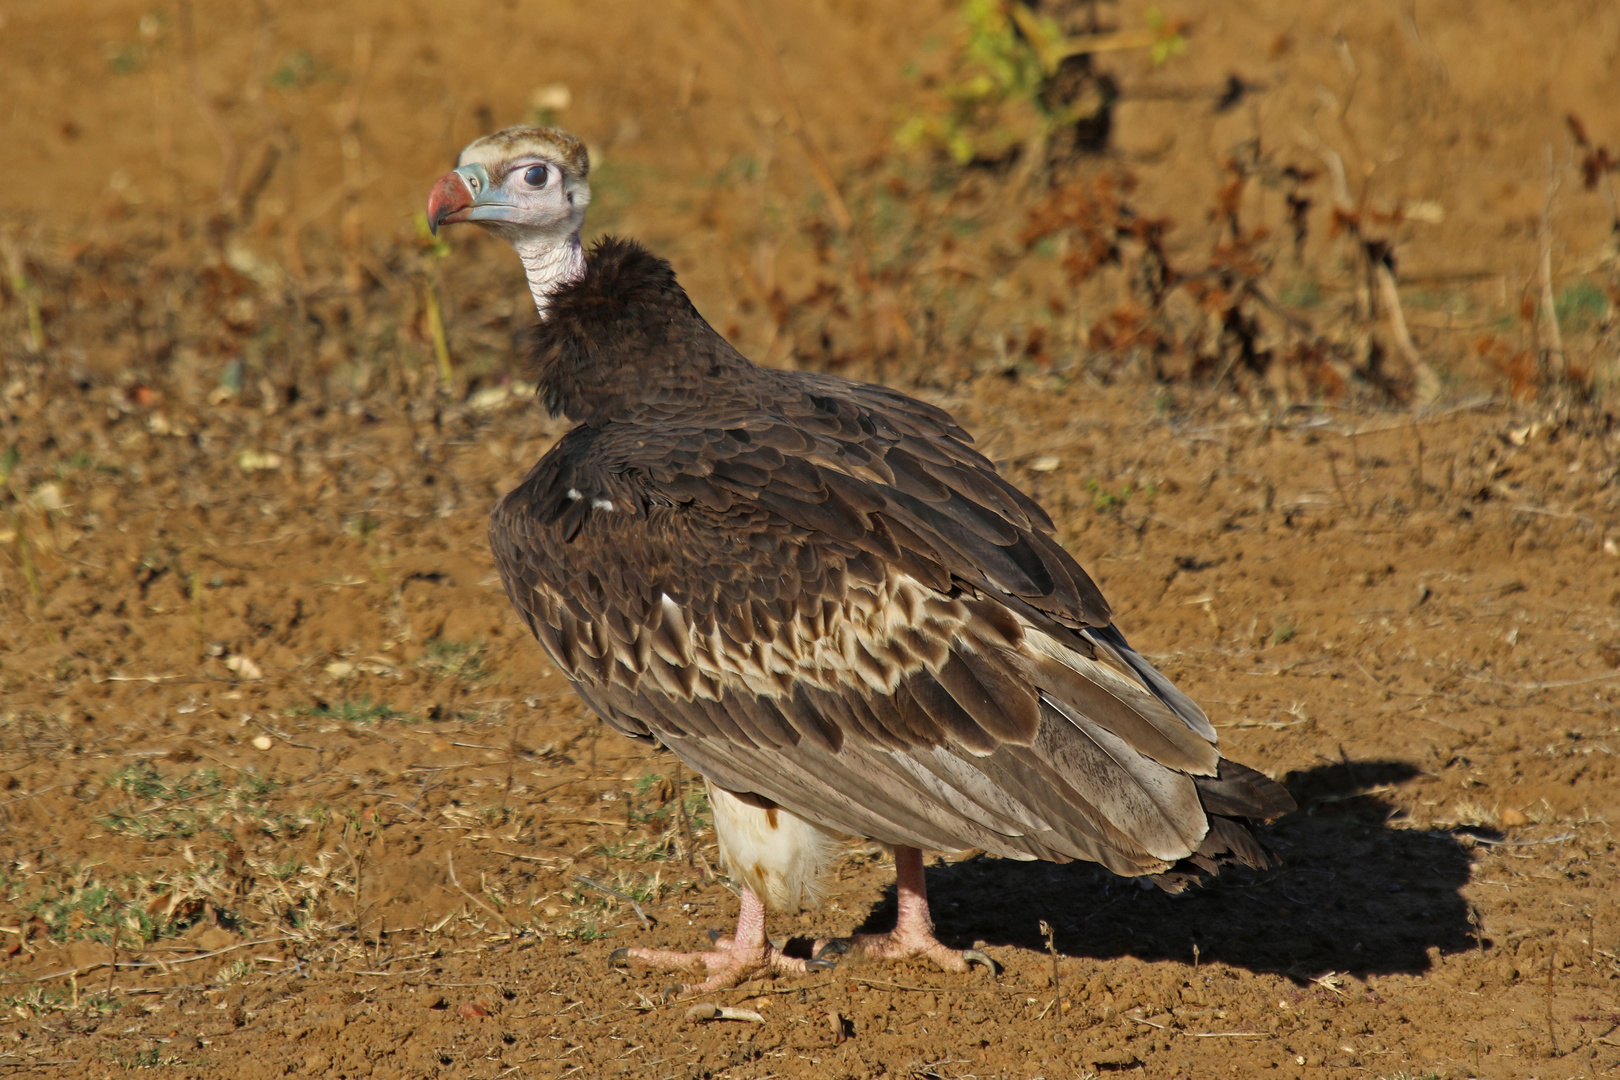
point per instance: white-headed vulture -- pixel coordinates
(819, 596)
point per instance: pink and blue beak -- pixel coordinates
(466, 195)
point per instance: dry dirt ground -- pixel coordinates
(285, 790)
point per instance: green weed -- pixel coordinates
(998, 96)
(143, 781)
(299, 70)
(1581, 306)
(81, 906)
(1103, 499)
(585, 930)
(234, 972)
(453, 659)
(1300, 292)
(197, 802)
(361, 526)
(364, 711)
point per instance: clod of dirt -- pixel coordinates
(708, 1010)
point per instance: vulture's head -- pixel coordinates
(525, 184)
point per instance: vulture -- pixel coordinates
(822, 599)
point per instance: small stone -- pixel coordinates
(1512, 819)
(244, 667)
(263, 742)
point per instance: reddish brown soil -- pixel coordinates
(285, 789)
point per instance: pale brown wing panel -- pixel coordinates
(854, 589)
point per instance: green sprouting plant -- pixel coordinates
(1581, 305)
(144, 781)
(584, 930)
(287, 869)
(992, 102)
(298, 70)
(234, 972)
(361, 526)
(363, 711)
(200, 801)
(1103, 499)
(1168, 40)
(1282, 633)
(998, 94)
(81, 905)
(453, 659)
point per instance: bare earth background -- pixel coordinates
(285, 790)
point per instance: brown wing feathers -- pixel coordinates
(816, 591)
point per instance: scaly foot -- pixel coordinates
(733, 960)
(896, 945)
(913, 933)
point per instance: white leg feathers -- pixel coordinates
(778, 855)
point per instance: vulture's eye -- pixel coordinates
(535, 176)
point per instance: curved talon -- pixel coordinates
(829, 954)
(835, 947)
(715, 935)
(974, 956)
(618, 958)
(672, 992)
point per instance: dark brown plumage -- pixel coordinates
(816, 593)
(823, 599)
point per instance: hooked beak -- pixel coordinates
(466, 195)
(450, 196)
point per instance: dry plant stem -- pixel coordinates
(511, 763)
(359, 881)
(646, 923)
(230, 155)
(686, 821)
(23, 288)
(348, 124)
(1052, 55)
(450, 865)
(1552, 1035)
(885, 309)
(1428, 383)
(168, 158)
(441, 344)
(25, 555)
(1333, 470)
(1557, 365)
(72, 973)
(1417, 470)
(1057, 987)
(757, 36)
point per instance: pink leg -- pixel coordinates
(743, 956)
(913, 933)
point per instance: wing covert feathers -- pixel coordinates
(816, 592)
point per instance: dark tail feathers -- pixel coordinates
(1232, 798)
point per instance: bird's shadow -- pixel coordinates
(1352, 894)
